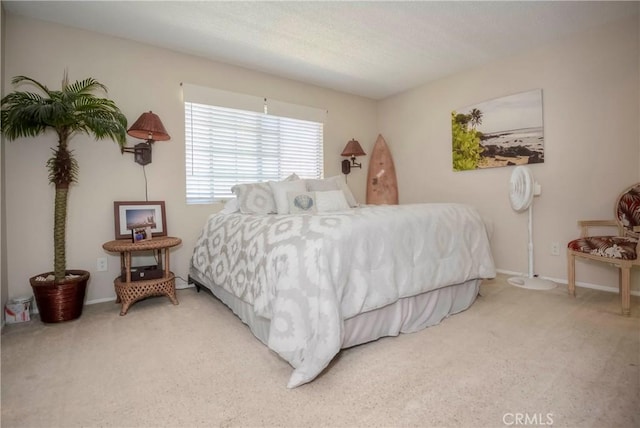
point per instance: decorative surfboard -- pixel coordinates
(382, 184)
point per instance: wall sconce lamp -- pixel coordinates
(147, 127)
(352, 149)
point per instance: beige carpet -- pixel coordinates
(539, 356)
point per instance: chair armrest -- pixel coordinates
(589, 223)
(586, 224)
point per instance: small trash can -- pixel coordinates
(18, 310)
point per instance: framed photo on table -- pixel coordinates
(148, 215)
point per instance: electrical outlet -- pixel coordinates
(101, 264)
(555, 248)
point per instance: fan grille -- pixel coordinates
(521, 188)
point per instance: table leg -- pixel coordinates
(166, 263)
(127, 265)
(125, 308)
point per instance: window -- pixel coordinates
(227, 146)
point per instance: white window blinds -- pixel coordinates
(226, 146)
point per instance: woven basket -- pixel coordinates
(63, 301)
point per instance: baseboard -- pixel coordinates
(578, 283)
(181, 284)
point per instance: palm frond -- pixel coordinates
(20, 115)
(86, 86)
(19, 79)
(112, 126)
(20, 97)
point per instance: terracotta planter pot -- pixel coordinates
(62, 301)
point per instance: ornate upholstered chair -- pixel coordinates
(620, 251)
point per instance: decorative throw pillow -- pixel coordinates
(230, 207)
(331, 200)
(254, 198)
(302, 202)
(280, 190)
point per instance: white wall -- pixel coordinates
(139, 78)
(591, 97)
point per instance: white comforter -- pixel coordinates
(308, 273)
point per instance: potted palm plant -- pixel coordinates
(73, 109)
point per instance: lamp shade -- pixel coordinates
(148, 127)
(353, 148)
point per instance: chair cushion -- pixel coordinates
(614, 247)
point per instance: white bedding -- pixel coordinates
(307, 274)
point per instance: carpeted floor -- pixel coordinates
(516, 357)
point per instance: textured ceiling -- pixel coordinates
(373, 49)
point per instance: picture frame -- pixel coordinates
(129, 215)
(500, 132)
(141, 234)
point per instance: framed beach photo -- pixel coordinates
(500, 132)
(130, 216)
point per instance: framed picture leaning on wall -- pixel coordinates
(130, 215)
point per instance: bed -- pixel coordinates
(308, 285)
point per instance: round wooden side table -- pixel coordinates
(127, 291)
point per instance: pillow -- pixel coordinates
(312, 202)
(302, 202)
(254, 198)
(333, 183)
(230, 207)
(322, 185)
(331, 200)
(257, 198)
(292, 177)
(280, 190)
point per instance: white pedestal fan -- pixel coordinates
(522, 189)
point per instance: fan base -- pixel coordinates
(532, 283)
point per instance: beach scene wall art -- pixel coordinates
(500, 132)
